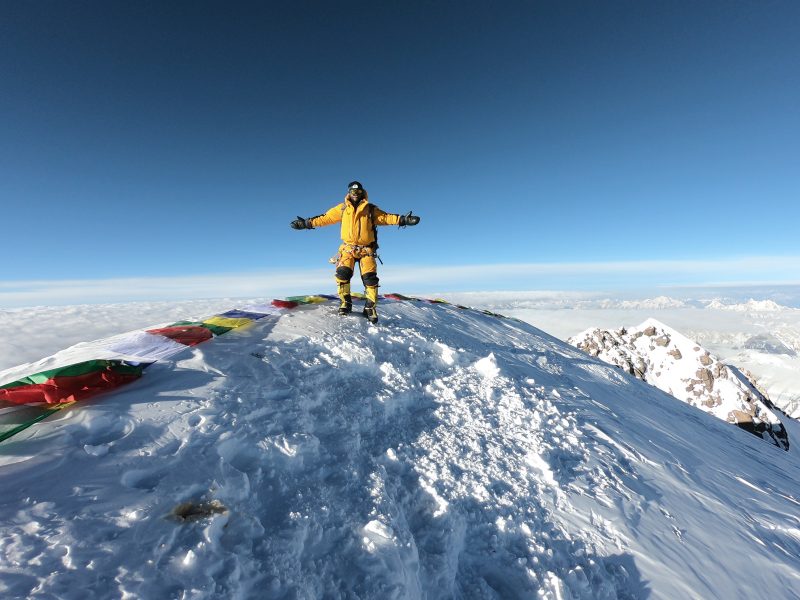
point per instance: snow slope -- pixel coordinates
(728, 329)
(442, 454)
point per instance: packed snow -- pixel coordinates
(444, 453)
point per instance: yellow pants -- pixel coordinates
(368, 267)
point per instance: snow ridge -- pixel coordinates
(445, 453)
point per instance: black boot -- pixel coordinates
(371, 311)
(347, 306)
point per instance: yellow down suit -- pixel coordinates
(359, 242)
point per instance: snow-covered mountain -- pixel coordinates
(763, 342)
(672, 362)
(750, 306)
(445, 453)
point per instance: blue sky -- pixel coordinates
(159, 141)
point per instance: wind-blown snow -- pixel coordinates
(444, 453)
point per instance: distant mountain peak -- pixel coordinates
(750, 306)
(668, 360)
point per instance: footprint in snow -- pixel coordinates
(142, 479)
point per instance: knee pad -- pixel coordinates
(370, 279)
(344, 274)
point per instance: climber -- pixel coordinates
(360, 221)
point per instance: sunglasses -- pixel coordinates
(355, 190)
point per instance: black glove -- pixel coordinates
(408, 220)
(300, 223)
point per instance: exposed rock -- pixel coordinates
(675, 353)
(639, 367)
(707, 378)
(720, 371)
(662, 341)
(751, 379)
(194, 511)
(738, 417)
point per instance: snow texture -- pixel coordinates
(442, 454)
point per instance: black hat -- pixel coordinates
(354, 185)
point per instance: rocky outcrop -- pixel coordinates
(666, 359)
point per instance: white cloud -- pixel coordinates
(413, 279)
(57, 292)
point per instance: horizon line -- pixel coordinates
(748, 271)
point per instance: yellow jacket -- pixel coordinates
(357, 221)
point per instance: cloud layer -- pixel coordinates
(762, 270)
